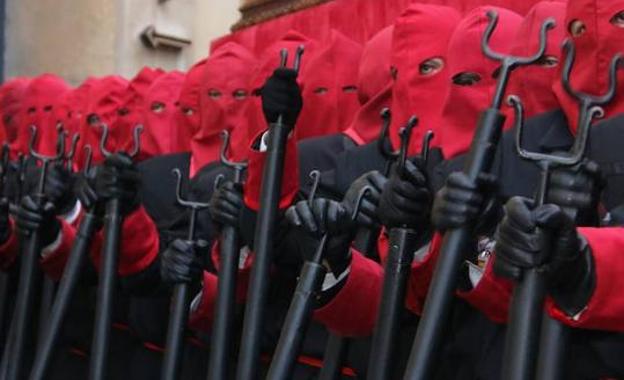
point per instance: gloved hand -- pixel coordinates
(119, 178)
(462, 201)
(226, 204)
(85, 190)
(180, 263)
(577, 189)
(406, 199)
(322, 217)
(367, 215)
(5, 225)
(30, 216)
(58, 188)
(281, 95)
(544, 237)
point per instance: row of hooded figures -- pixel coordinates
(450, 210)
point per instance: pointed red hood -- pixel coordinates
(159, 109)
(421, 34)
(11, 98)
(464, 103)
(595, 47)
(374, 87)
(330, 97)
(533, 83)
(223, 99)
(41, 99)
(104, 101)
(188, 117)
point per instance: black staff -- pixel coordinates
(300, 309)
(249, 359)
(28, 280)
(180, 301)
(67, 285)
(225, 303)
(4, 276)
(523, 332)
(113, 221)
(403, 243)
(479, 161)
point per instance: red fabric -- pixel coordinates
(223, 101)
(420, 34)
(242, 279)
(131, 113)
(138, 246)
(104, 100)
(353, 311)
(10, 248)
(373, 86)
(11, 97)
(606, 306)
(594, 50)
(161, 134)
(54, 263)
(533, 83)
(330, 88)
(187, 115)
(463, 104)
(491, 295)
(41, 98)
(201, 318)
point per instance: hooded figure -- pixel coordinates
(223, 98)
(41, 98)
(533, 83)
(596, 29)
(159, 108)
(188, 115)
(420, 69)
(11, 97)
(374, 87)
(473, 76)
(330, 91)
(104, 101)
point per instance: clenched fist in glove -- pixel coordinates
(367, 215)
(281, 95)
(324, 216)
(30, 216)
(180, 263)
(462, 201)
(226, 204)
(85, 190)
(118, 178)
(406, 199)
(545, 237)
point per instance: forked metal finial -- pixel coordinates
(405, 134)
(238, 167)
(315, 176)
(60, 147)
(193, 206)
(88, 151)
(69, 157)
(426, 146)
(510, 62)
(383, 141)
(136, 138)
(297, 61)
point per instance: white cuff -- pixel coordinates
(242, 258)
(264, 144)
(73, 214)
(196, 302)
(475, 273)
(330, 280)
(421, 253)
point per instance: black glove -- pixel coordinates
(58, 188)
(322, 217)
(119, 178)
(406, 199)
(545, 237)
(281, 95)
(226, 204)
(180, 263)
(462, 201)
(30, 216)
(367, 215)
(85, 190)
(577, 189)
(5, 225)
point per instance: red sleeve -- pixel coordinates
(138, 247)
(10, 248)
(422, 272)
(53, 263)
(605, 309)
(353, 311)
(201, 317)
(290, 179)
(491, 295)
